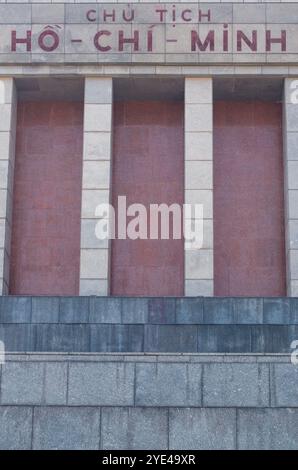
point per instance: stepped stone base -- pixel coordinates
(148, 401)
(111, 324)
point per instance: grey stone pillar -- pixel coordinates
(8, 113)
(94, 267)
(290, 136)
(199, 278)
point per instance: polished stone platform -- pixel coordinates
(175, 325)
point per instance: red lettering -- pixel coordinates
(15, 41)
(134, 40)
(43, 36)
(184, 13)
(161, 14)
(96, 41)
(252, 44)
(91, 15)
(109, 15)
(128, 18)
(202, 46)
(282, 40)
(204, 15)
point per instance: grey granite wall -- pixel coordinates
(103, 324)
(148, 401)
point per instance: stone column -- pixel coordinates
(94, 268)
(8, 113)
(290, 137)
(199, 278)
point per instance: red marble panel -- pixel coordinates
(148, 169)
(249, 256)
(45, 256)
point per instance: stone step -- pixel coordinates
(165, 310)
(57, 337)
(148, 401)
(96, 324)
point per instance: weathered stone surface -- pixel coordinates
(64, 428)
(168, 384)
(284, 379)
(135, 310)
(224, 338)
(248, 311)
(15, 309)
(189, 310)
(236, 385)
(45, 309)
(277, 311)
(55, 383)
(201, 428)
(105, 310)
(105, 384)
(22, 383)
(170, 338)
(161, 310)
(116, 338)
(74, 310)
(134, 428)
(61, 338)
(268, 429)
(218, 311)
(15, 427)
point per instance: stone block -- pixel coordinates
(161, 310)
(198, 90)
(189, 310)
(55, 383)
(218, 311)
(103, 384)
(15, 427)
(105, 310)
(236, 385)
(97, 117)
(45, 309)
(97, 146)
(248, 311)
(268, 429)
(197, 287)
(134, 310)
(22, 383)
(134, 429)
(168, 384)
(202, 429)
(116, 338)
(284, 381)
(61, 338)
(74, 310)
(96, 175)
(198, 175)
(224, 338)
(94, 264)
(277, 311)
(170, 338)
(198, 146)
(17, 338)
(198, 118)
(199, 264)
(15, 309)
(66, 428)
(98, 90)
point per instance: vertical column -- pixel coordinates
(94, 267)
(8, 113)
(290, 136)
(199, 278)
